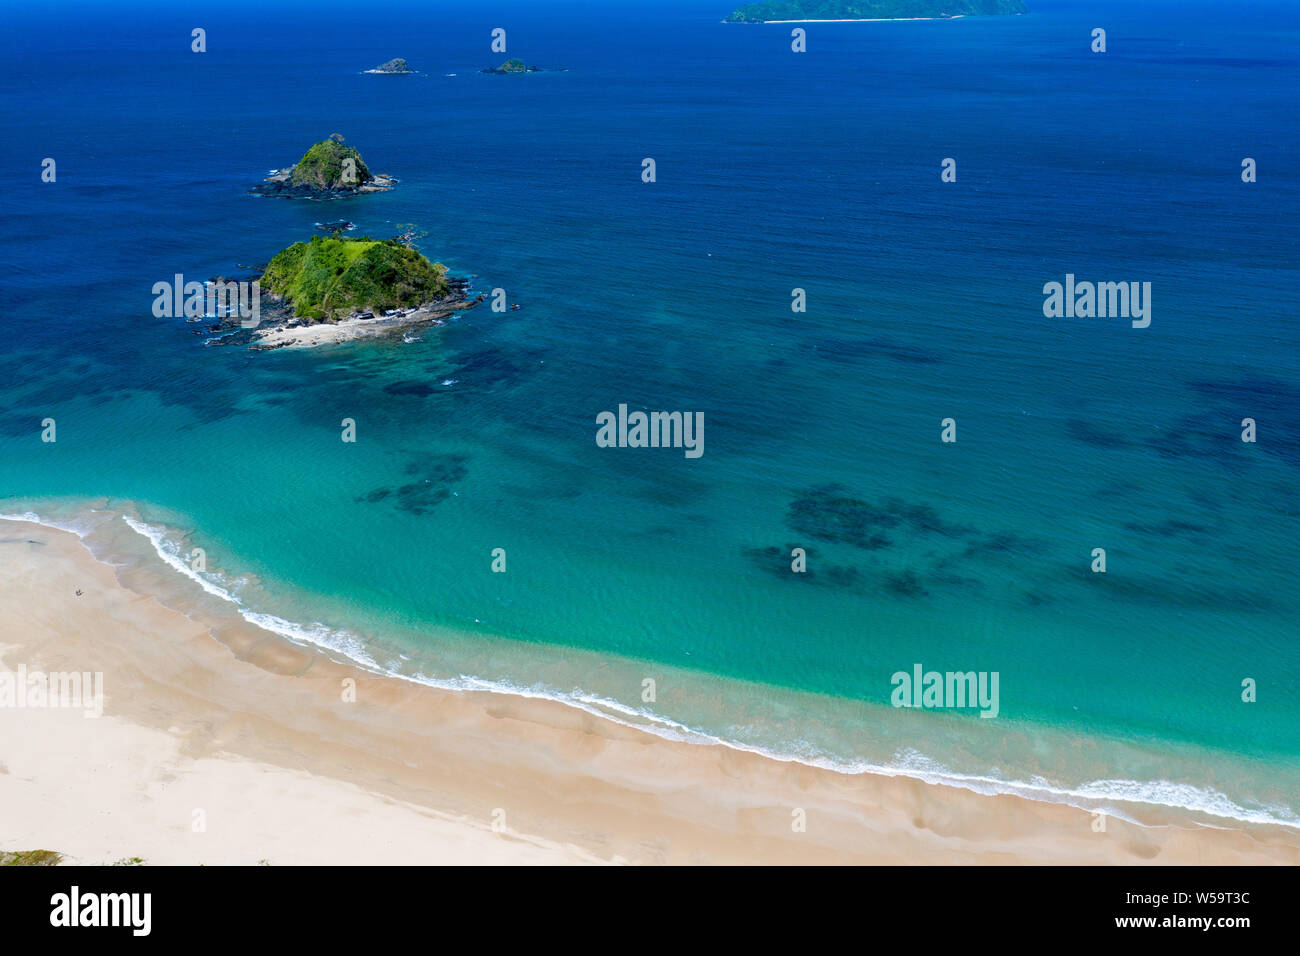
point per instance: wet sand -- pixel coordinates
(251, 748)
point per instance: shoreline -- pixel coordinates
(240, 712)
(278, 186)
(429, 315)
(283, 328)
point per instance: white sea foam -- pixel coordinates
(1096, 795)
(77, 528)
(316, 634)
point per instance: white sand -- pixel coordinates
(253, 732)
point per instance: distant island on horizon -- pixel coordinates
(777, 11)
(516, 65)
(513, 65)
(397, 65)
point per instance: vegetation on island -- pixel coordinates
(30, 858)
(395, 65)
(870, 9)
(50, 858)
(323, 167)
(330, 278)
(513, 65)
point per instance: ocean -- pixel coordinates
(640, 583)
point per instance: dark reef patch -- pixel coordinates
(777, 562)
(853, 350)
(1168, 529)
(828, 513)
(938, 577)
(487, 367)
(1270, 395)
(416, 387)
(933, 556)
(437, 474)
(1003, 544)
(905, 584)
(1186, 593)
(1275, 406)
(421, 497)
(445, 469)
(1206, 437)
(1080, 429)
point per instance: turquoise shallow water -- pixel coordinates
(822, 428)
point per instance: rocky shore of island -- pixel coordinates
(279, 327)
(394, 66)
(294, 333)
(376, 288)
(328, 170)
(514, 66)
(280, 184)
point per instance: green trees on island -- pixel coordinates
(327, 279)
(512, 65)
(331, 165)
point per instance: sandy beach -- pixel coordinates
(430, 315)
(251, 749)
(347, 330)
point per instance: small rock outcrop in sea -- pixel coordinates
(395, 65)
(329, 170)
(513, 66)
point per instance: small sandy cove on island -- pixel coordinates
(253, 734)
(349, 330)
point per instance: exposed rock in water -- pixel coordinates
(329, 170)
(395, 65)
(512, 66)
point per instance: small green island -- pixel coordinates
(328, 170)
(329, 278)
(777, 11)
(395, 65)
(335, 289)
(513, 66)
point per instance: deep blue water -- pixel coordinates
(775, 171)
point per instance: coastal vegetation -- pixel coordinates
(513, 65)
(870, 9)
(329, 170)
(330, 278)
(31, 858)
(325, 166)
